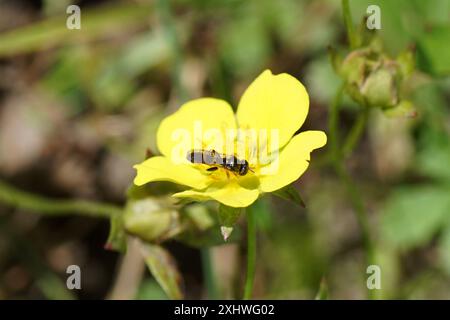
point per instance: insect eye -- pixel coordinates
(243, 170)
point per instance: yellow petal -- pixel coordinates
(275, 103)
(292, 161)
(198, 124)
(230, 194)
(162, 169)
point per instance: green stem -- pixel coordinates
(356, 132)
(351, 34)
(165, 12)
(333, 122)
(352, 190)
(350, 142)
(208, 273)
(361, 214)
(362, 218)
(251, 254)
(55, 207)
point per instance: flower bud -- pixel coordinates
(405, 109)
(374, 80)
(152, 219)
(381, 87)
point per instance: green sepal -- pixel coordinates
(228, 216)
(322, 294)
(117, 238)
(164, 269)
(290, 193)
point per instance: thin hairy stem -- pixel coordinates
(208, 273)
(351, 34)
(352, 190)
(356, 132)
(54, 207)
(251, 254)
(333, 123)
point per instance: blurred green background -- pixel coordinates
(79, 107)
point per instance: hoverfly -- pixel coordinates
(216, 160)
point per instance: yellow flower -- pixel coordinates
(262, 132)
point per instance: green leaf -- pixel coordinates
(53, 288)
(135, 192)
(117, 239)
(201, 227)
(53, 31)
(444, 249)
(322, 76)
(290, 193)
(434, 157)
(322, 294)
(434, 51)
(113, 82)
(412, 215)
(163, 267)
(150, 290)
(154, 189)
(251, 31)
(228, 217)
(208, 238)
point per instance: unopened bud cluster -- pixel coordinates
(373, 79)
